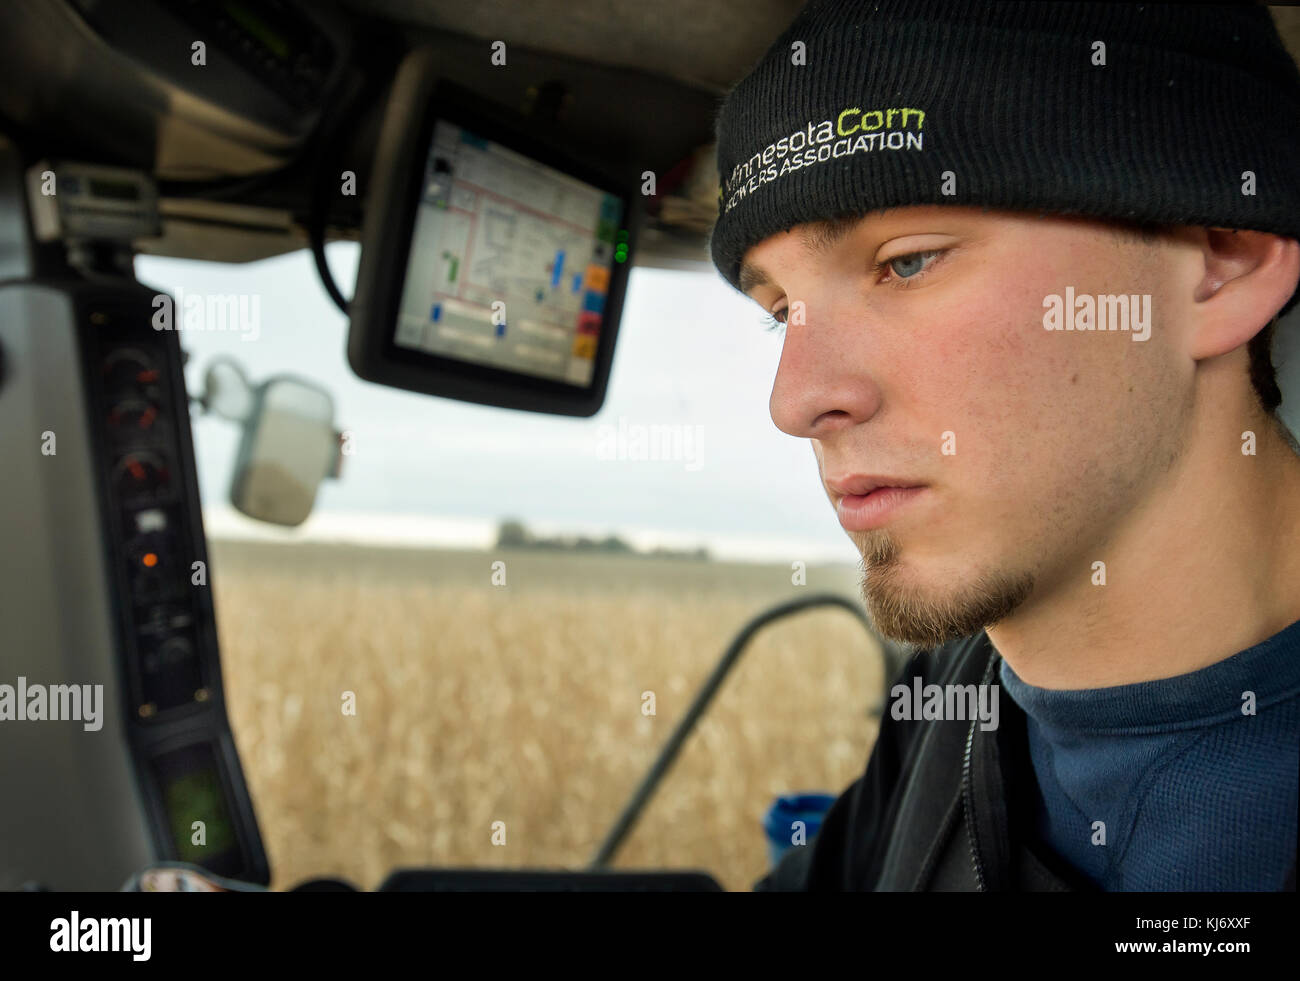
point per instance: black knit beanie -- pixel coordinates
(1140, 112)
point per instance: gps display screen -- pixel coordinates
(510, 261)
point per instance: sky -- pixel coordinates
(691, 354)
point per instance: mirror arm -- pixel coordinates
(336, 470)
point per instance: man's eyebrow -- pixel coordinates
(822, 236)
(819, 237)
(752, 276)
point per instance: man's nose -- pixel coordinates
(823, 381)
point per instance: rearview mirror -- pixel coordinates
(226, 391)
(289, 447)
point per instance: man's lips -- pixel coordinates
(864, 502)
(856, 484)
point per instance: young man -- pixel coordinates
(1028, 258)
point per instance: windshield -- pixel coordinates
(517, 608)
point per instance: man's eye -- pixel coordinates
(910, 266)
(905, 269)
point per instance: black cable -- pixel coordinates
(668, 754)
(317, 233)
(318, 213)
(318, 199)
(322, 146)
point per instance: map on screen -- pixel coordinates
(510, 261)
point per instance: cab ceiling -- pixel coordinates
(708, 44)
(641, 81)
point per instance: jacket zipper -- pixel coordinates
(967, 796)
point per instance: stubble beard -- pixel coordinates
(930, 617)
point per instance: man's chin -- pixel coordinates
(928, 615)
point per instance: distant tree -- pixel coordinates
(512, 533)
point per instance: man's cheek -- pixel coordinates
(1004, 375)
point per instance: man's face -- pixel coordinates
(1032, 448)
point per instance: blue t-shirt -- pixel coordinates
(1187, 783)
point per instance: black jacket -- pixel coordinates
(942, 807)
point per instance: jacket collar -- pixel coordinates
(1000, 798)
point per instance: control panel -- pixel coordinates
(187, 766)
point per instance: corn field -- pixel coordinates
(526, 703)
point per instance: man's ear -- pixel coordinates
(1247, 278)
